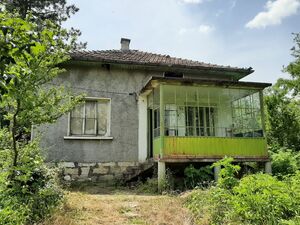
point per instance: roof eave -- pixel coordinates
(190, 82)
(238, 73)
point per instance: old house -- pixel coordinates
(143, 108)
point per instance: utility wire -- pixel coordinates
(88, 89)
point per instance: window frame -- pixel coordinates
(89, 136)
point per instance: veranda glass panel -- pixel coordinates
(211, 111)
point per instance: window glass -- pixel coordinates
(77, 117)
(102, 117)
(91, 118)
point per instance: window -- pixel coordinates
(91, 118)
(189, 120)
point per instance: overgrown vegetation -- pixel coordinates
(255, 199)
(29, 59)
(282, 107)
(201, 177)
(33, 193)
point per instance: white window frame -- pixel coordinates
(107, 136)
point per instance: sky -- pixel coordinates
(243, 33)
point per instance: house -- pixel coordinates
(143, 108)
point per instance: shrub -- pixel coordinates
(227, 176)
(257, 194)
(149, 187)
(30, 193)
(255, 199)
(198, 203)
(284, 162)
(201, 177)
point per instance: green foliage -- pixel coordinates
(227, 176)
(167, 185)
(198, 203)
(285, 162)
(282, 106)
(261, 193)
(148, 187)
(29, 62)
(255, 199)
(201, 177)
(293, 84)
(30, 55)
(28, 65)
(56, 11)
(283, 119)
(32, 194)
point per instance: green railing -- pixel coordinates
(210, 147)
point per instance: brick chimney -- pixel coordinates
(125, 43)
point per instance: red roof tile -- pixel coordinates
(136, 57)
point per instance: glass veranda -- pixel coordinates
(203, 111)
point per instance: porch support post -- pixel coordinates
(161, 170)
(262, 110)
(161, 120)
(161, 174)
(268, 167)
(217, 172)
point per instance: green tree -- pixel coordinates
(283, 120)
(283, 106)
(29, 63)
(57, 11)
(293, 83)
(54, 10)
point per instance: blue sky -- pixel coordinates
(242, 33)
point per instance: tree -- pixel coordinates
(283, 120)
(292, 85)
(283, 106)
(57, 11)
(28, 64)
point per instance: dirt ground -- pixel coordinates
(120, 207)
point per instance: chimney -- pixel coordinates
(125, 43)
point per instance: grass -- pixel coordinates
(96, 205)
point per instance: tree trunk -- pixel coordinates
(14, 134)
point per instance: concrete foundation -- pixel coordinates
(106, 173)
(268, 168)
(161, 174)
(216, 172)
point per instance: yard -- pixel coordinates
(94, 205)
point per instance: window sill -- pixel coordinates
(88, 138)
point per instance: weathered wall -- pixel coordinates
(96, 81)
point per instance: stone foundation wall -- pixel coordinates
(110, 172)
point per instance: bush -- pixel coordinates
(255, 199)
(198, 203)
(29, 192)
(149, 187)
(228, 173)
(257, 194)
(284, 162)
(201, 177)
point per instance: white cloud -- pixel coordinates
(194, 1)
(205, 29)
(232, 4)
(275, 12)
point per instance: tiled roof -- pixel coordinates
(136, 57)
